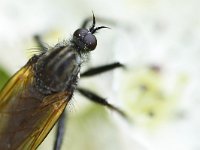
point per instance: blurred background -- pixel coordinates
(157, 40)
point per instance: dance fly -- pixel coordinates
(34, 99)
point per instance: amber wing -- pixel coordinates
(27, 116)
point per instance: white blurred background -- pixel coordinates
(158, 41)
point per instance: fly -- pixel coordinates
(35, 97)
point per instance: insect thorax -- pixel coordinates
(57, 70)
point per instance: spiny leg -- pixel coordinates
(101, 69)
(39, 42)
(97, 99)
(85, 22)
(93, 97)
(60, 131)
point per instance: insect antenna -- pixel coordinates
(92, 28)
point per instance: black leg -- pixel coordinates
(97, 99)
(60, 131)
(41, 44)
(101, 69)
(85, 22)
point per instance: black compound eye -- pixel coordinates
(91, 41)
(84, 39)
(80, 33)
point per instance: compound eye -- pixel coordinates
(80, 33)
(91, 41)
(84, 39)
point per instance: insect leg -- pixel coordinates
(101, 69)
(99, 100)
(85, 22)
(60, 131)
(39, 42)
